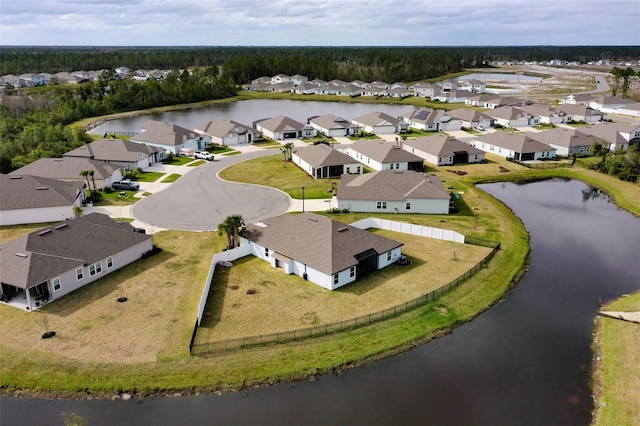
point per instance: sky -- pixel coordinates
(319, 22)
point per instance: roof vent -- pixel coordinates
(62, 225)
(44, 232)
(25, 255)
(42, 188)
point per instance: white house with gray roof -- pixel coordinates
(127, 155)
(281, 127)
(223, 131)
(332, 125)
(169, 136)
(508, 116)
(443, 150)
(431, 120)
(471, 118)
(322, 161)
(381, 155)
(391, 191)
(521, 146)
(615, 135)
(380, 123)
(35, 199)
(321, 250)
(45, 265)
(69, 168)
(567, 142)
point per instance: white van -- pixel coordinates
(187, 152)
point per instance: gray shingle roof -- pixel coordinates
(521, 142)
(376, 119)
(43, 254)
(317, 241)
(164, 134)
(281, 123)
(222, 127)
(383, 152)
(67, 168)
(114, 150)
(322, 155)
(330, 121)
(28, 192)
(391, 185)
(441, 145)
(564, 137)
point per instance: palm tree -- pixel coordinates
(91, 173)
(85, 174)
(223, 228)
(232, 226)
(288, 150)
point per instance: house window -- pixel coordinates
(266, 252)
(96, 268)
(335, 279)
(391, 166)
(79, 274)
(109, 262)
(352, 272)
(56, 284)
(407, 206)
(381, 205)
(388, 255)
(397, 166)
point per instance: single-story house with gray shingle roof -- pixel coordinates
(169, 136)
(228, 132)
(304, 89)
(577, 99)
(381, 155)
(349, 90)
(36, 199)
(567, 142)
(322, 161)
(443, 150)
(580, 113)
(398, 92)
(471, 118)
(547, 113)
(332, 125)
(380, 123)
(615, 135)
(69, 168)
(609, 104)
(453, 96)
(509, 116)
(424, 90)
(431, 120)
(324, 251)
(47, 264)
(521, 147)
(374, 91)
(632, 110)
(281, 127)
(281, 87)
(128, 155)
(391, 191)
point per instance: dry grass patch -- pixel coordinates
(252, 298)
(154, 323)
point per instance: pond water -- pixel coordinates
(526, 361)
(246, 112)
(499, 77)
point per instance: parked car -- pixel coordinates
(480, 128)
(126, 184)
(204, 155)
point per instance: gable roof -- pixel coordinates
(43, 254)
(376, 119)
(573, 109)
(467, 114)
(114, 150)
(441, 145)
(564, 137)
(520, 142)
(29, 192)
(163, 133)
(67, 168)
(384, 152)
(330, 121)
(280, 123)
(391, 185)
(507, 113)
(222, 127)
(611, 132)
(322, 155)
(322, 243)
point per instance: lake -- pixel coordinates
(526, 361)
(246, 112)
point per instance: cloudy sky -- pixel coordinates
(319, 22)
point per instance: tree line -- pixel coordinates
(625, 165)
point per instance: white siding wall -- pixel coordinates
(303, 164)
(48, 214)
(435, 206)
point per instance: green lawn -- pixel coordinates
(148, 176)
(171, 178)
(178, 160)
(284, 175)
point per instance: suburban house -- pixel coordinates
(615, 135)
(632, 110)
(391, 191)
(281, 127)
(381, 155)
(578, 99)
(322, 161)
(375, 91)
(35, 199)
(304, 89)
(349, 90)
(69, 168)
(521, 147)
(223, 131)
(127, 155)
(431, 120)
(471, 118)
(609, 104)
(331, 125)
(398, 92)
(280, 87)
(512, 117)
(472, 85)
(424, 90)
(567, 142)
(380, 123)
(443, 150)
(170, 137)
(47, 264)
(321, 250)
(547, 113)
(453, 96)
(580, 113)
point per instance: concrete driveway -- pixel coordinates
(199, 201)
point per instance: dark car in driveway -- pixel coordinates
(126, 184)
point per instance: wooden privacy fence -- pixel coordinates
(338, 326)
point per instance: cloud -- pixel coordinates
(318, 22)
